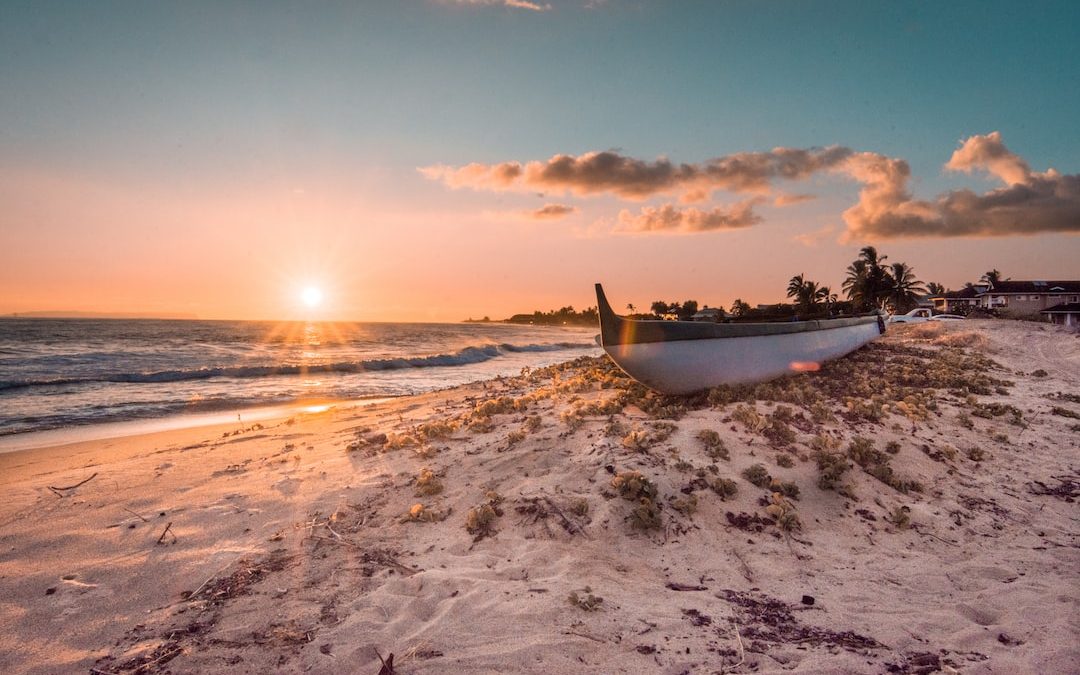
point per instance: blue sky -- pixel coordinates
(194, 99)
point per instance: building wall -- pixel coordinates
(1025, 303)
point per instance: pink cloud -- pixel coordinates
(630, 178)
(1030, 202)
(551, 212)
(516, 4)
(668, 218)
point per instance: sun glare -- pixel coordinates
(312, 297)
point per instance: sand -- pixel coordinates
(288, 546)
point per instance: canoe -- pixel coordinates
(681, 357)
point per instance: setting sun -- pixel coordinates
(312, 297)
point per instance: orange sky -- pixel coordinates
(215, 162)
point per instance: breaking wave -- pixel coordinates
(463, 357)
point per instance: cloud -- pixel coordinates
(812, 239)
(668, 218)
(990, 153)
(1030, 202)
(613, 173)
(517, 4)
(552, 212)
(786, 199)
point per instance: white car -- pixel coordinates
(920, 314)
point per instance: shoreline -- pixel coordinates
(947, 539)
(49, 438)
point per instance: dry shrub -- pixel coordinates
(786, 487)
(900, 517)
(750, 418)
(725, 487)
(783, 512)
(437, 429)
(398, 441)
(784, 461)
(969, 339)
(757, 475)
(586, 601)
(646, 515)
(422, 514)
(427, 483)
(831, 468)
(632, 485)
(714, 445)
(687, 505)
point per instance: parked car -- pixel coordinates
(920, 314)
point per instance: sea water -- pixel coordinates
(58, 373)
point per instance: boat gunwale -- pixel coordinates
(617, 330)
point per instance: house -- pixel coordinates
(1064, 314)
(958, 302)
(1026, 298)
(713, 314)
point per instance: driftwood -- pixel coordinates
(166, 531)
(58, 490)
(387, 663)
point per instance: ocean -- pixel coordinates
(60, 373)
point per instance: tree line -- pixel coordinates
(871, 284)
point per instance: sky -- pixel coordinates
(432, 160)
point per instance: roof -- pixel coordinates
(1063, 308)
(1037, 286)
(969, 292)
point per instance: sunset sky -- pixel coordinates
(432, 160)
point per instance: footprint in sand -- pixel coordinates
(287, 486)
(984, 616)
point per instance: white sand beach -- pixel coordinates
(919, 516)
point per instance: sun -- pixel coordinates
(312, 297)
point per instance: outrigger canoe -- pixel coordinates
(681, 357)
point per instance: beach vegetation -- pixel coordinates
(876, 463)
(687, 505)
(427, 483)
(423, 514)
(580, 507)
(646, 515)
(892, 447)
(1064, 412)
(964, 420)
(631, 485)
(757, 475)
(399, 441)
(785, 461)
(585, 600)
(831, 468)
(783, 512)
(900, 517)
(436, 429)
(785, 487)
(714, 445)
(750, 418)
(725, 487)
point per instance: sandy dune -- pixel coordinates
(947, 540)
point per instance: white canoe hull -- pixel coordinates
(685, 366)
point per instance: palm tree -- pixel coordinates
(868, 281)
(906, 289)
(934, 288)
(740, 308)
(795, 286)
(808, 294)
(992, 278)
(630, 309)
